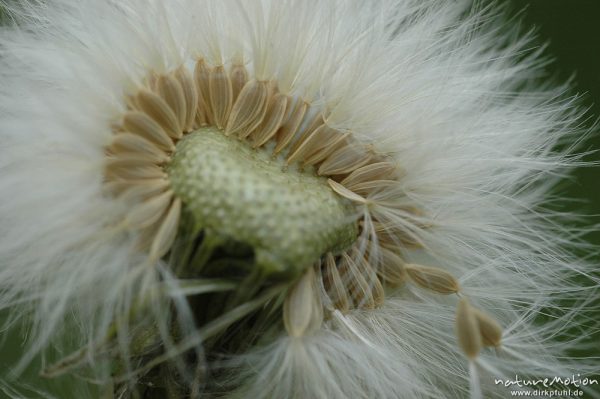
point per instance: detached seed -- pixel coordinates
(467, 330)
(490, 330)
(432, 278)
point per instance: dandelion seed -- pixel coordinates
(276, 198)
(490, 330)
(432, 278)
(467, 330)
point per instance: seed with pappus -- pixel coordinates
(284, 199)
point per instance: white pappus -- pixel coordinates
(425, 157)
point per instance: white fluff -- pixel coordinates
(446, 92)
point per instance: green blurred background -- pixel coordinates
(572, 28)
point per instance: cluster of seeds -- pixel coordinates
(170, 105)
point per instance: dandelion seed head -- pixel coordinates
(285, 198)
